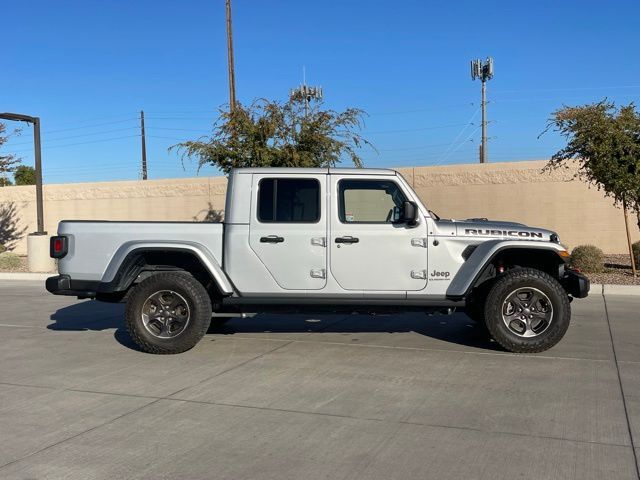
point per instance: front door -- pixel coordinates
(288, 228)
(371, 250)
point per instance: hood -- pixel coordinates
(482, 228)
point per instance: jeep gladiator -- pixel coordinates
(319, 240)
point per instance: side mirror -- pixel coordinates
(410, 213)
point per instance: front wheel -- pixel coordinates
(527, 311)
(168, 313)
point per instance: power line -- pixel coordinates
(461, 132)
(204, 132)
(177, 118)
(552, 99)
(458, 148)
(618, 87)
(419, 110)
(415, 129)
(89, 126)
(162, 112)
(179, 129)
(78, 136)
(80, 143)
(169, 138)
(412, 148)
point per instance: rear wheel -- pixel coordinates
(168, 313)
(527, 311)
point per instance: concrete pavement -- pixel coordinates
(299, 397)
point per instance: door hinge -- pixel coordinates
(419, 274)
(419, 242)
(319, 241)
(318, 273)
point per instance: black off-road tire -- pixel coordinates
(197, 299)
(520, 278)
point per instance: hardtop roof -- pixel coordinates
(316, 171)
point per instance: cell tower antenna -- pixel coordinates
(483, 71)
(306, 93)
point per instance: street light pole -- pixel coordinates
(18, 117)
(38, 168)
(38, 259)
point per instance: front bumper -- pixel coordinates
(63, 285)
(576, 284)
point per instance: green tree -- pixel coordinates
(272, 134)
(24, 175)
(605, 143)
(7, 162)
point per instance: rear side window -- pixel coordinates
(285, 200)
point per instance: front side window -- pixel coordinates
(369, 201)
(286, 200)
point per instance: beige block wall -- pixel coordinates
(517, 191)
(522, 192)
(175, 199)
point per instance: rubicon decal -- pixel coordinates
(504, 233)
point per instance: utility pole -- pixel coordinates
(144, 147)
(306, 93)
(483, 71)
(232, 75)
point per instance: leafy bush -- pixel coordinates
(587, 258)
(2, 248)
(9, 261)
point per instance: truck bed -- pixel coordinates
(93, 245)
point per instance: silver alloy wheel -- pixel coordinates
(165, 314)
(527, 312)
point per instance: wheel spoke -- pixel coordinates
(174, 302)
(516, 301)
(539, 314)
(536, 299)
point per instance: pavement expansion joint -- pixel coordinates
(624, 399)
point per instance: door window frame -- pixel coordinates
(275, 193)
(341, 203)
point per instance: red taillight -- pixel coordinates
(58, 247)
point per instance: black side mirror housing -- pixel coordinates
(410, 213)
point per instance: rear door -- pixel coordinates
(288, 228)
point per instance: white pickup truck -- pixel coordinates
(319, 240)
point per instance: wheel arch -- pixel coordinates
(135, 258)
(478, 267)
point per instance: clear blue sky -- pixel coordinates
(87, 68)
